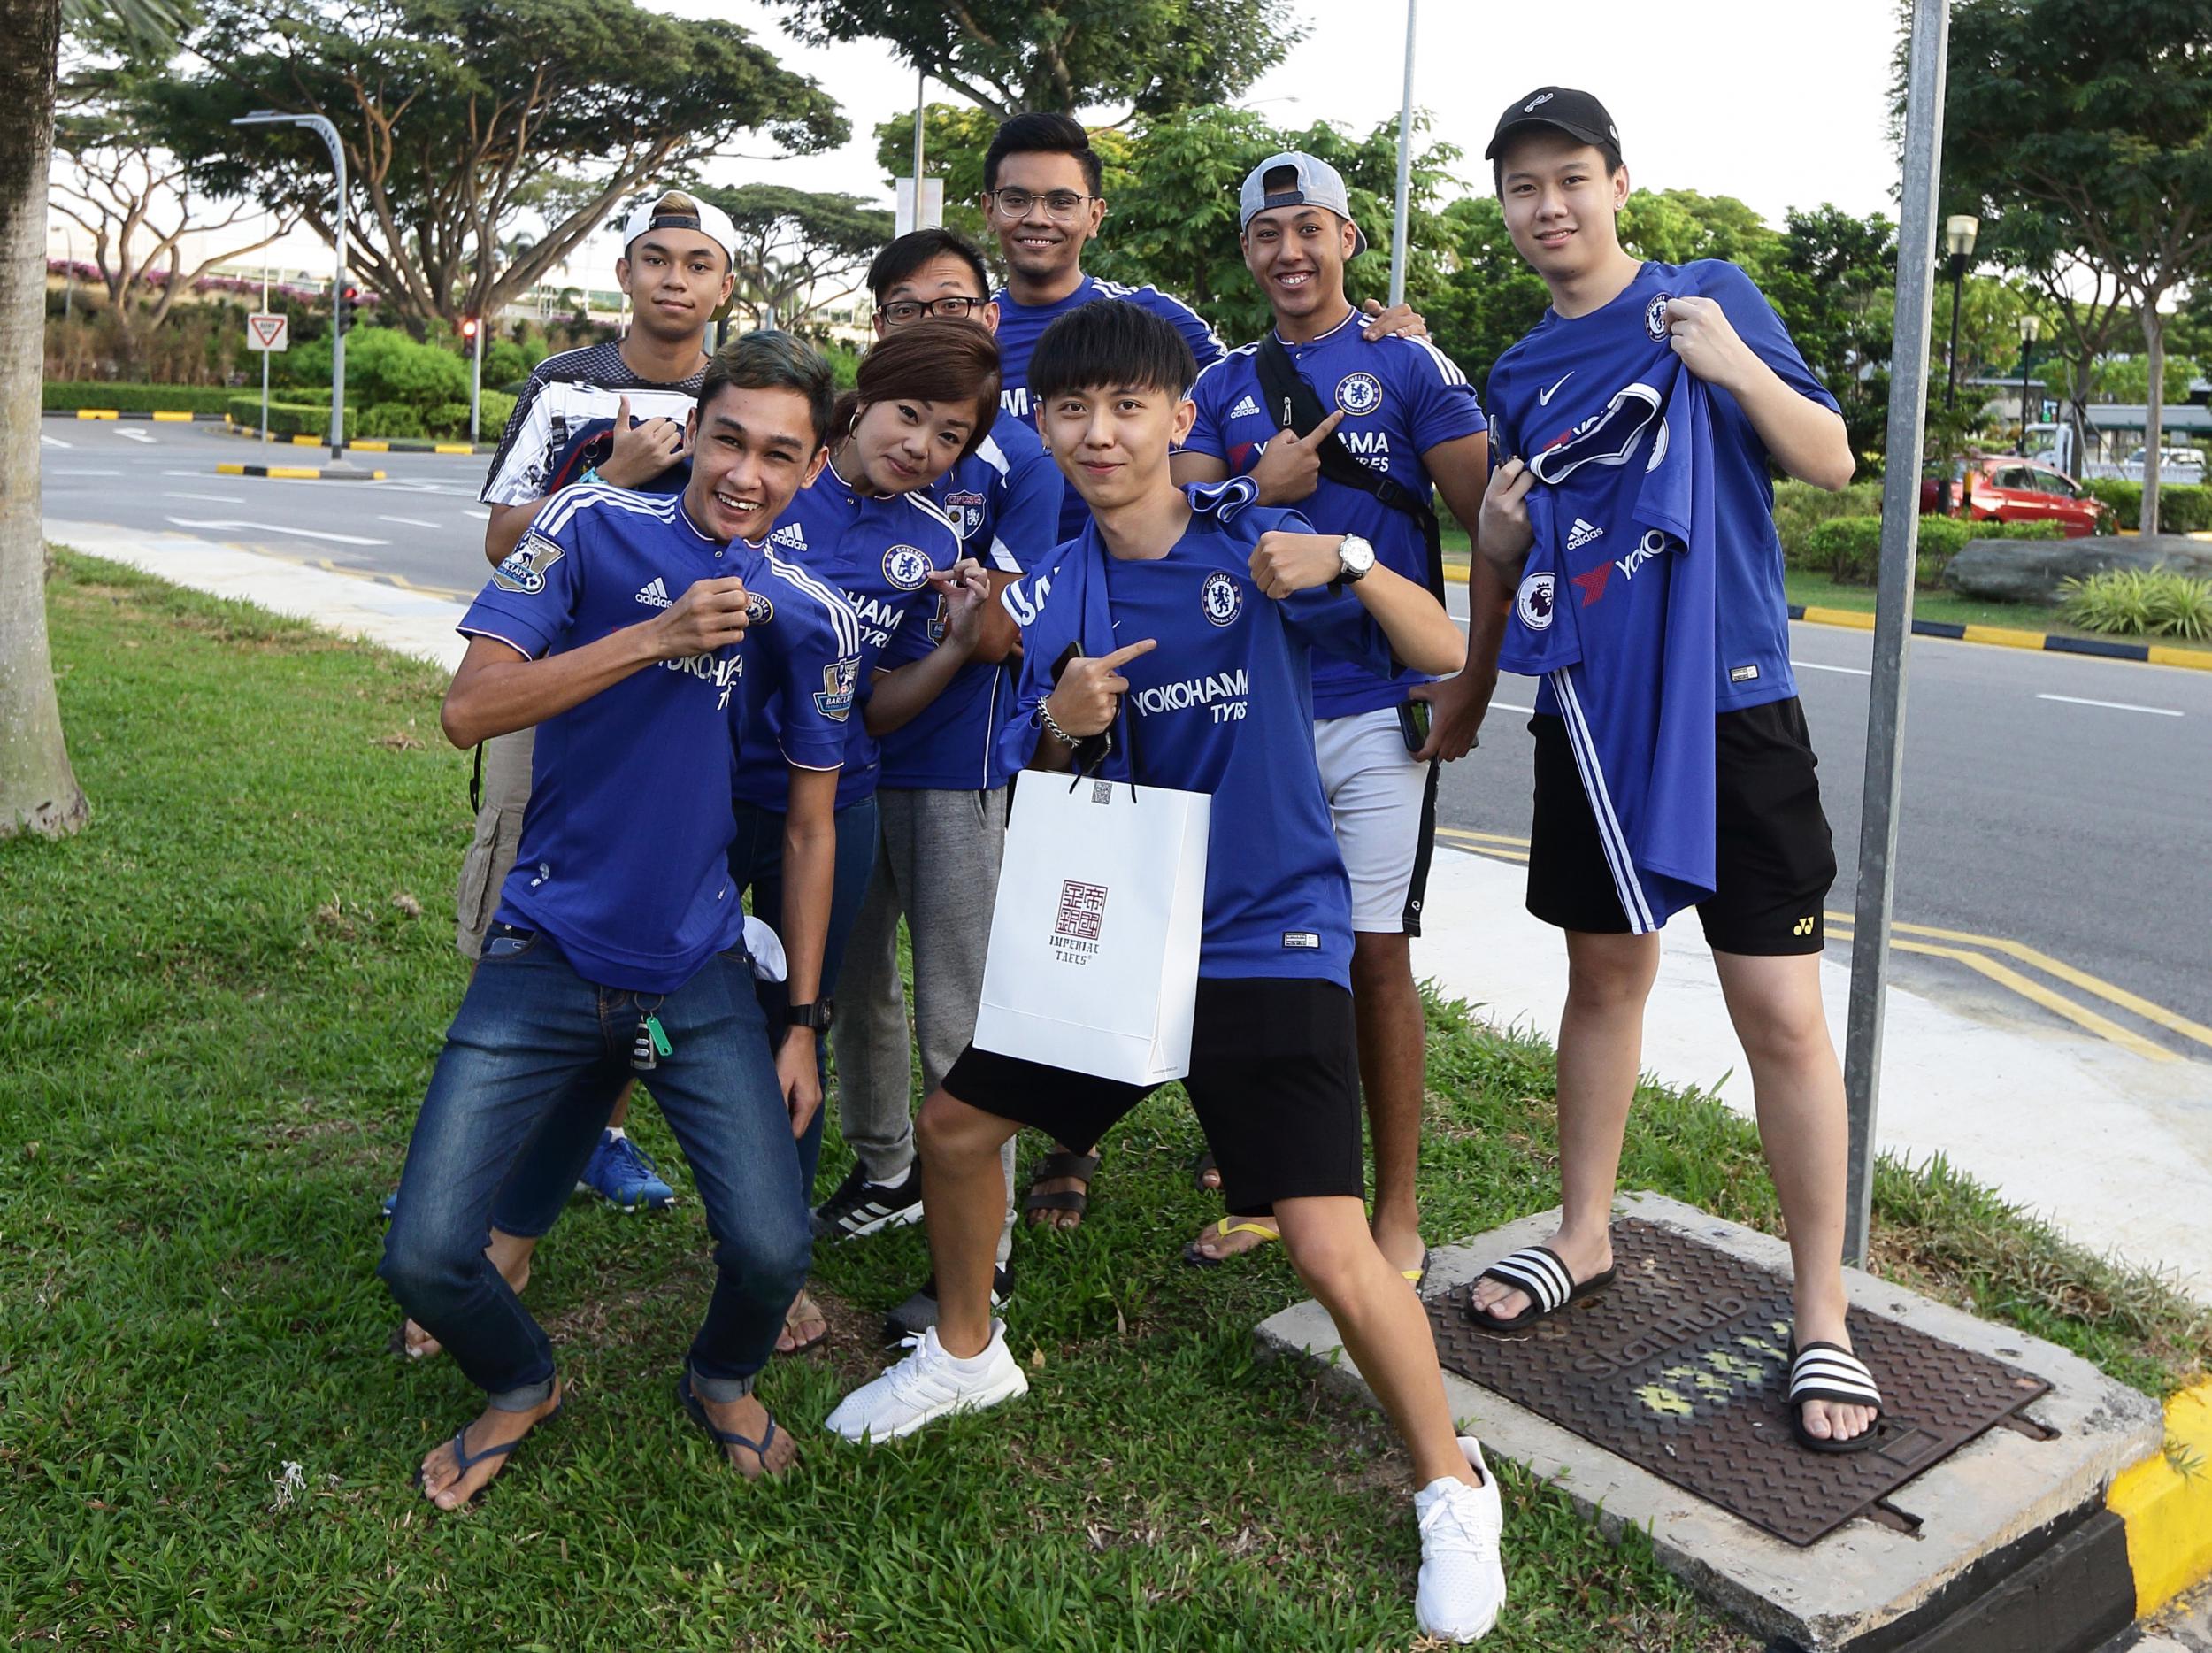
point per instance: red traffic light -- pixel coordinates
(468, 326)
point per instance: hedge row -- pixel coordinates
(446, 422)
(285, 418)
(1848, 550)
(2183, 508)
(65, 395)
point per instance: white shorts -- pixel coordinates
(1384, 806)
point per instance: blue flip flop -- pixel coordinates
(696, 1409)
(464, 1460)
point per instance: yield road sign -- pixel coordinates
(268, 333)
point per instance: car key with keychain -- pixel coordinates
(652, 1044)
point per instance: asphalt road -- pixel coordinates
(2053, 800)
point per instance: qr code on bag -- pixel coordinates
(1082, 910)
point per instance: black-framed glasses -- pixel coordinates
(1057, 203)
(902, 311)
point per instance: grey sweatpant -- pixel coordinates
(937, 862)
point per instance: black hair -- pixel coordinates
(766, 359)
(1609, 152)
(1108, 344)
(910, 252)
(936, 359)
(1041, 134)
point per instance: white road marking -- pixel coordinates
(1815, 665)
(219, 499)
(481, 516)
(2113, 705)
(1500, 705)
(84, 473)
(411, 522)
(54, 441)
(131, 432)
(271, 527)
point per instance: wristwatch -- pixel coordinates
(816, 1015)
(1353, 557)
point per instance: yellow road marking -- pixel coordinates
(165, 416)
(453, 447)
(98, 413)
(1857, 620)
(2163, 654)
(2004, 636)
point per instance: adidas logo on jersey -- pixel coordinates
(1246, 408)
(1582, 534)
(791, 534)
(654, 595)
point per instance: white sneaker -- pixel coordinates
(929, 1383)
(1462, 1580)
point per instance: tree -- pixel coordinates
(1832, 279)
(2084, 306)
(954, 139)
(1676, 226)
(132, 200)
(1008, 56)
(1173, 209)
(793, 244)
(459, 115)
(2106, 131)
(1486, 295)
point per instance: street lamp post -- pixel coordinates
(1405, 168)
(1959, 233)
(2030, 327)
(329, 136)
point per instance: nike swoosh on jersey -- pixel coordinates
(1543, 398)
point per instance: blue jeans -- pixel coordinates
(531, 1199)
(536, 1052)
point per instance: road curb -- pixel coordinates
(299, 474)
(372, 444)
(2165, 1503)
(2006, 637)
(166, 416)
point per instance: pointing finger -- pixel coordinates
(1127, 652)
(1321, 430)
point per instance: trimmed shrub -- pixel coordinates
(2125, 498)
(449, 421)
(1799, 506)
(285, 418)
(387, 419)
(1848, 550)
(2139, 603)
(2183, 507)
(131, 398)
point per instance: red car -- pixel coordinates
(2008, 489)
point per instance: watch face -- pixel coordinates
(1357, 554)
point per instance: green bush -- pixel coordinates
(1848, 550)
(2183, 508)
(129, 398)
(1799, 506)
(449, 421)
(2139, 603)
(285, 418)
(385, 419)
(498, 407)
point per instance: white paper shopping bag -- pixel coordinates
(1094, 960)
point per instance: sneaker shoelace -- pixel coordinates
(1449, 1524)
(630, 1160)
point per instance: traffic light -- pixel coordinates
(469, 325)
(348, 301)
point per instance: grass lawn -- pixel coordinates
(218, 1005)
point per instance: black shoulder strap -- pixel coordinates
(1292, 401)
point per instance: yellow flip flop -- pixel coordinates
(1223, 1229)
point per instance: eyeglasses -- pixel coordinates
(1059, 204)
(905, 309)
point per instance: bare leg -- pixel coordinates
(1600, 1053)
(1798, 1090)
(1382, 1324)
(964, 1206)
(620, 1114)
(1393, 1074)
(510, 1256)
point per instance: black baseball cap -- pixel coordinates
(1578, 114)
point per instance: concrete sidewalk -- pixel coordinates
(2114, 1151)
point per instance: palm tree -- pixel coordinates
(38, 790)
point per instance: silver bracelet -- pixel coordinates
(1044, 722)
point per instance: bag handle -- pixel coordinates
(1093, 750)
(1287, 391)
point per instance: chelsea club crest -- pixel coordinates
(759, 610)
(1359, 393)
(1656, 316)
(906, 567)
(965, 508)
(1220, 598)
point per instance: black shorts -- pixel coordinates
(1274, 1080)
(1773, 858)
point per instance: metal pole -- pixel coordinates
(476, 378)
(1951, 377)
(920, 81)
(1893, 605)
(265, 354)
(2027, 354)
(1405, 170)
(338, 337)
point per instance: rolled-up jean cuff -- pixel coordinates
(721, 1391)
(528, 1398)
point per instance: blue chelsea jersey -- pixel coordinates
(1003, 500)
(1400, 397)
(878, 553)
(1020, 326)
(1565, 373)
(1224, 705)
(622, 847)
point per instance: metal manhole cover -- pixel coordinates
(1681, 1366)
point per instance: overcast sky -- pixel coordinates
(1717, 95)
